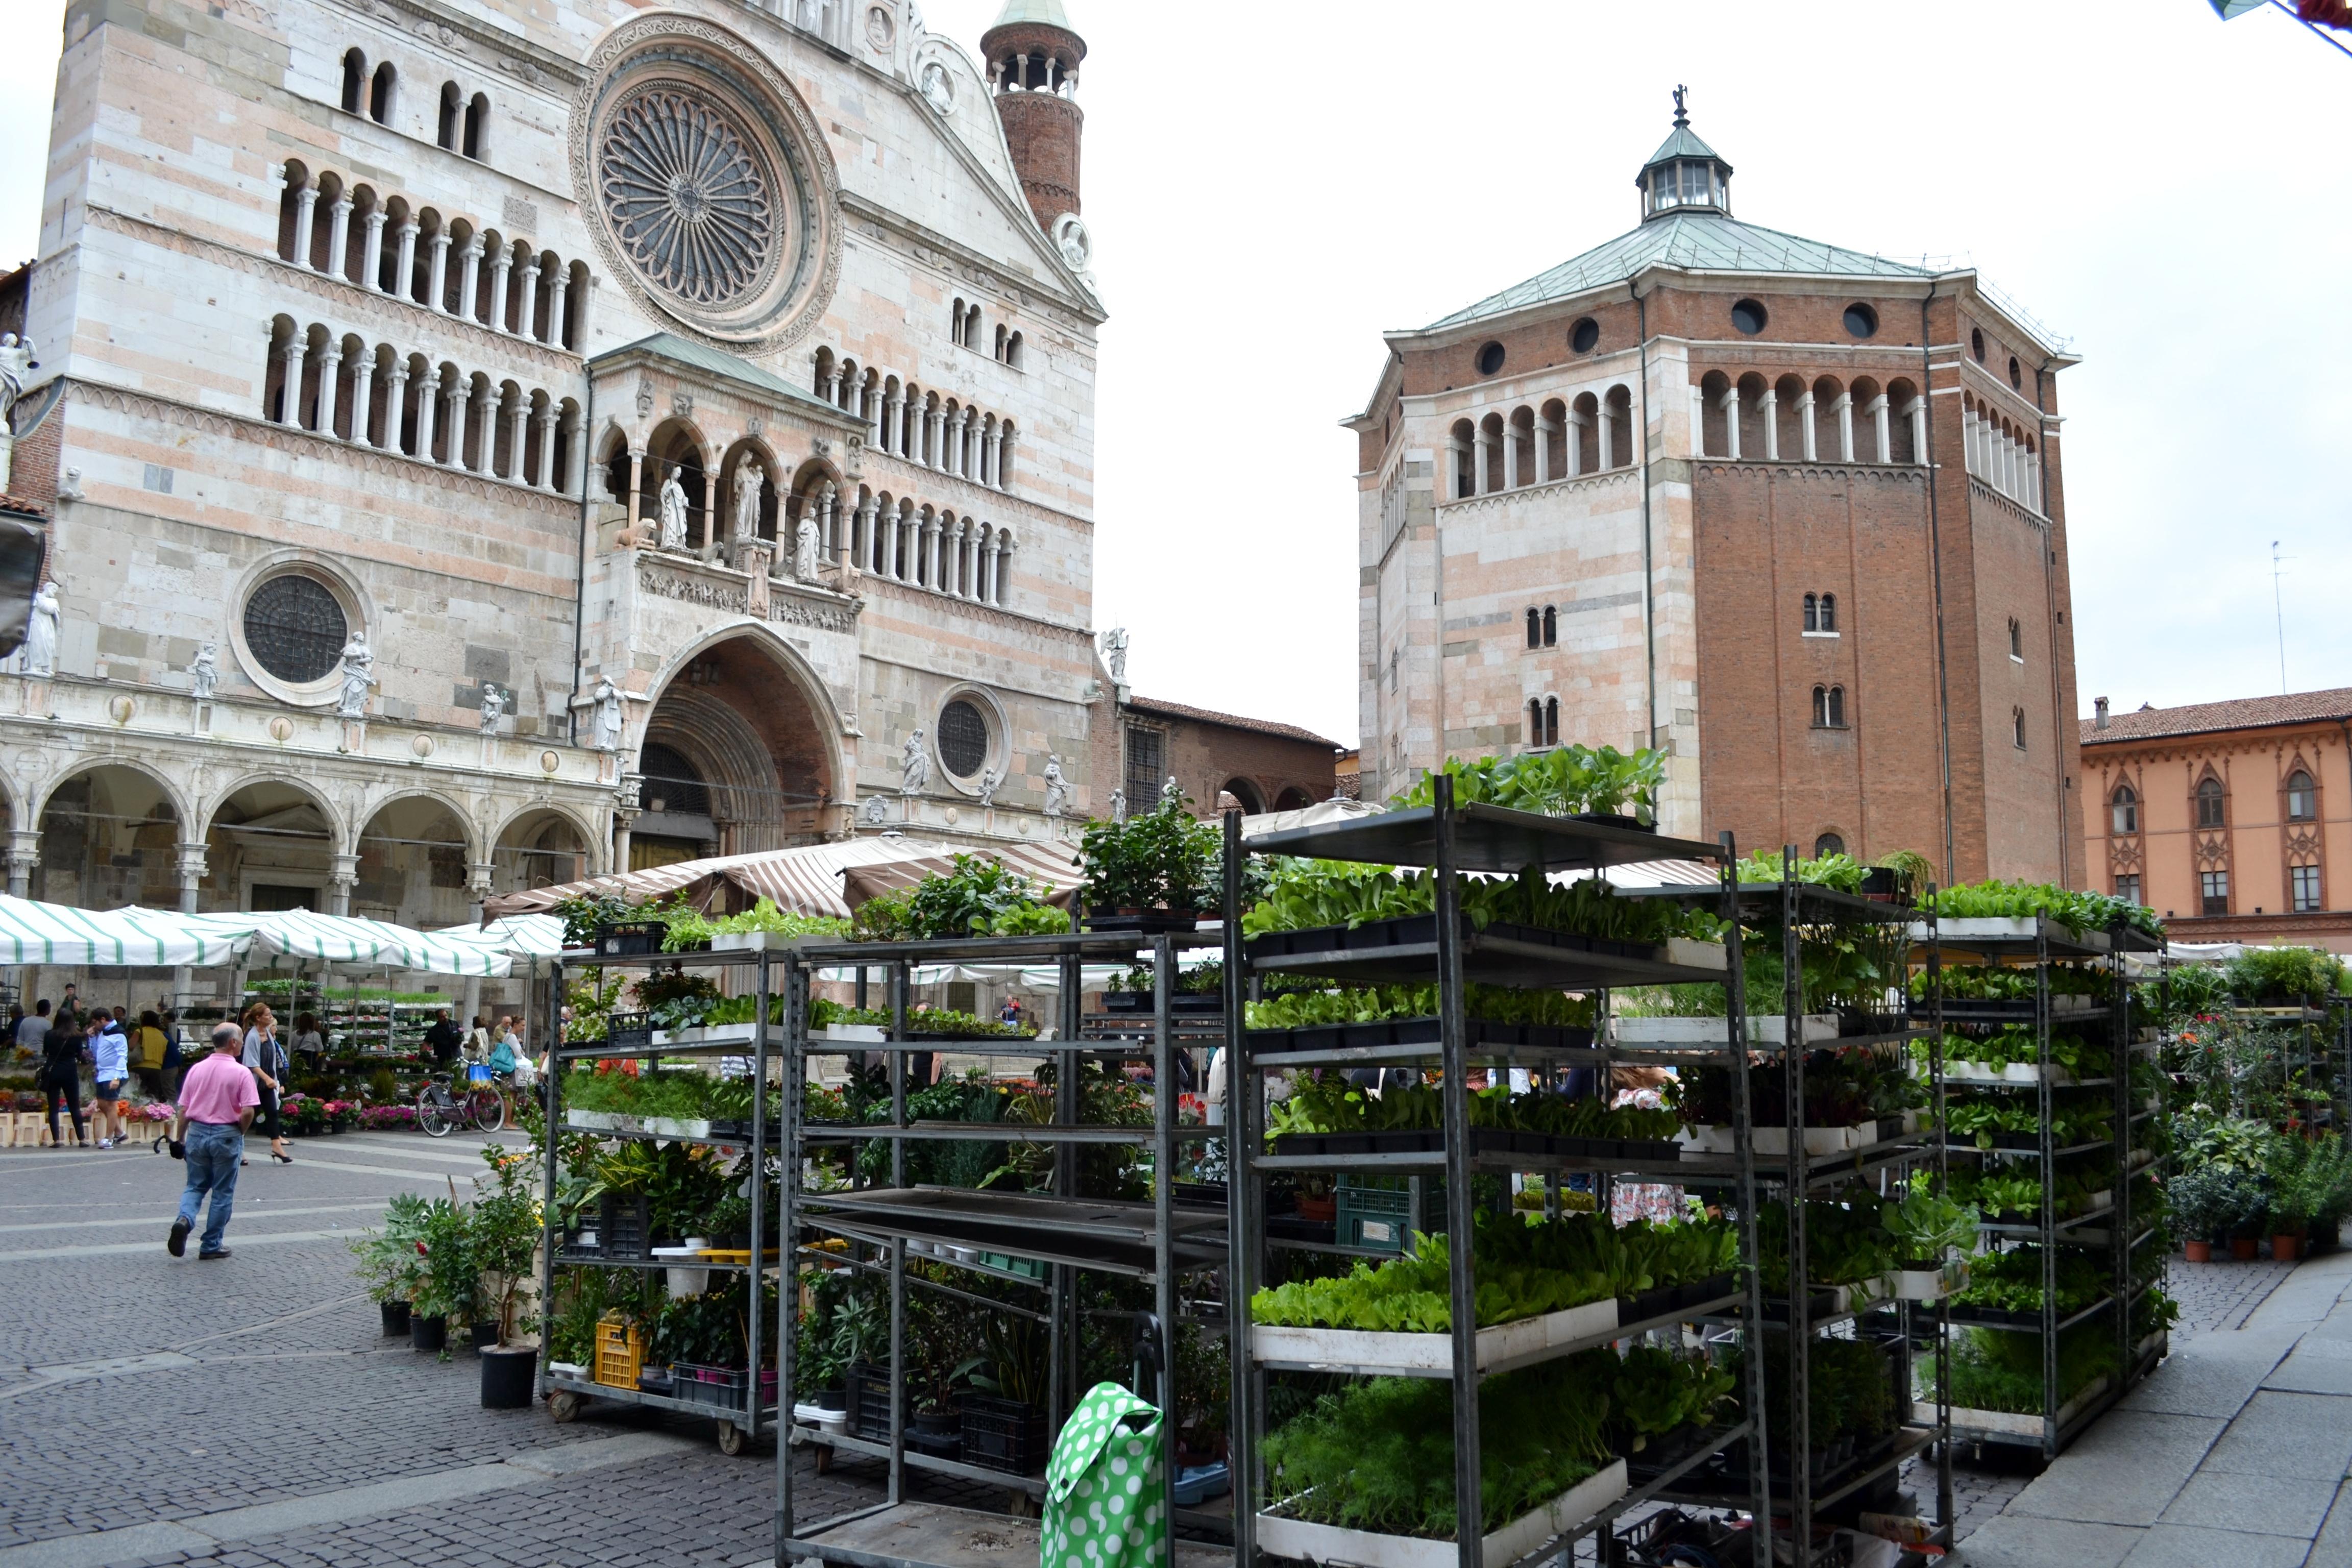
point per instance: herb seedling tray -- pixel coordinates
(1476, 1032)
(1820, 1028)
(1282, 1534)
(2011, 1424)
(1500, 1347)
(1483, 1141)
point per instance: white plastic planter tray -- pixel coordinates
(1693, 954)
(2159, 1342)
(1964, 1072)
(1279, 1535)
(714, 1035)
(1505, 1345)
(1812, 1027)
(1716, 1139)
(2015, 927)
(747, 940)
(1927, 1284)
(861, 1033)
(2011, 1424)
(656, 1126)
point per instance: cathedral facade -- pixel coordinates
(1791, 512)
(485, 445)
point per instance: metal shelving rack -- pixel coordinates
(1449, 841)
(565, 1394)
(2044, 945)
(1799, 908)
(1150, 1241)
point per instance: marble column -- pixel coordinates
(342, 872)
(1605, 424)
(542, 474)
(372, 250)
(404, 264)
(339, 233)
(557, 287)
(1768, 408)
(437, 286)
(1917, 412)
(306, 202)
(935, 452)
(890, 404)
(1880, 429)
(1843, 409)
(1805, 425)
(363, 396)
(469, 276)
(395, 405)
(994, 477)
(459, 395)
(289, 404)
(576, 453)
(637, 488)
(24, 856)
(1572, 441)
(428, 414)
(516, 450)
(526, 308)
(330, 366)
(501, 269)
(1510, 454)
(1544, 431)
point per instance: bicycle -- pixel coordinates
(482, 1105)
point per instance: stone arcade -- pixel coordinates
(488, 445)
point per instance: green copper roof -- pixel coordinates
(1044, 13)
(1701, 241)
(1683, 143)
(717, 363)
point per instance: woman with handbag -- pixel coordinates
(265, 1053)
(61, 1051)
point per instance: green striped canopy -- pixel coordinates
(33, 932)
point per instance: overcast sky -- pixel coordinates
(1271, 186)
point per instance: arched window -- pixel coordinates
(956, 324)
(453, 113)
(1827, 843)
(354, 81)
(1534, 627)
(2212, 811)
(2125, 808)
(380, 98)
(2016, 640)
(1535, 718)
(1000, 341)
(2017, 728)
(1551, 721)
(1552, 625)
(1813, 613)
(1837, 707)
(2302, 797)
(1821, 719)
(1828, 612)
(1013, 351)
(477, 125)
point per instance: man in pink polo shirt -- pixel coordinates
(216, 1101)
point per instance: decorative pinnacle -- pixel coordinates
(1682, 115)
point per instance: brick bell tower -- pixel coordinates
(1033, 57)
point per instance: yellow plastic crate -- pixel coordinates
(619, 1354)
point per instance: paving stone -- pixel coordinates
(2189, 1546)
(2307, 1436)
(2010, 1541)
(2213, 1374)
(2333, 1547)
(2264, 1505)
(2124, 1470)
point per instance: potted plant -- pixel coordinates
(388, 1260)
(445, 1282)
(2248, 1208)
(504, 1236)
(1156, 871)
(2204, 1203)
(1930, 1233)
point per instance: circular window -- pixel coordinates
(1860, 321)
(1490, 358)
(1749, 317)
(2016, 374)
(687, 199)
(1584, 335)
(1976, 344)
(296, 628)
(963, 738)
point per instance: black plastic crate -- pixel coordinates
(867, 1391)
(630, 1031)
(721, 1386)
(626, 1226)
(998, 1435)
(630, 939)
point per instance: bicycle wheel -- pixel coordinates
(490, 1109)
(433, 1115)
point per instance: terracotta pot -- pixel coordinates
(2197, 1251)
(2244, 1248)
(2283, 1248)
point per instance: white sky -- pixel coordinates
(1270, 186)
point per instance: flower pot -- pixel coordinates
(939, 1423)
(395, 1318)
(428, 1333)
(507, 1376)
(2197, 1251)
(483, 1335)
(2244, 1248)
(2285, 1248)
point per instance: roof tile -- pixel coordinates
(2208, 717)
(1231, 720)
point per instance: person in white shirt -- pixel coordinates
(110, 1051)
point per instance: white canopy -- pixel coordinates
(33, 932)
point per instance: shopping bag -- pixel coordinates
(1106, 1486)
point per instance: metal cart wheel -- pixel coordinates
(563, 1405)
(732, 1439)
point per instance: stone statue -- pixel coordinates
(1171, 794)
(805, 550)
(204, 676)
(749, 478)
(1115, 653)
(1076, 246)
(673, 513)
(41, 631)
(16, 363)
(989, 783)
(1118, 805)
(914, 761)
(1058, 789)
(494, 707)
(609, 717)
(875, 807)
(938, 92)
(359, 675)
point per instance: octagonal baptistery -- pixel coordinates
(536, 406)
(1789, 511)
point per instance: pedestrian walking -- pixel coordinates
(217, 1105)
(265, 1056)
(110, 1050)
(148, 1046)
(31, 1031)
(477, 1041)
(175, 1055)
(61, 1050)
(502, 1054)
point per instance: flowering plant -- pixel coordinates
(387, 1118)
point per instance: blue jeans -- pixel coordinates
(215, 1149)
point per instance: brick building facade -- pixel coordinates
(1789, 511)
(2232, 820)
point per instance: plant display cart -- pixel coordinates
(1528, 1368)
(2049, 1091)
(1049, 1242)
(742, 1409)
(1856, 1238)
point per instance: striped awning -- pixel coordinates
(134, 938)
(807, 878)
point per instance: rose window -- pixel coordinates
(687, 199)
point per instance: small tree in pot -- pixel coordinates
(388, 1260)
(1161, 861)
(505, 1235)
(2205, 1205)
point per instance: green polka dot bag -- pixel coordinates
(1105, 1488)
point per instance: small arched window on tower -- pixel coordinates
(453, 114)
(354, 81)
(379, 97)
(955, 324)
(477, 125)
(2124, 809)
(1812, 612)
(1827, 843)
(2302, 797)
(1535, 719)
(1829, 613)
(1552, 625)
(2212, 808)
(2017, 728)
(1534, 626)
(2016, 640)
(1829, 706)
(1551, 721)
